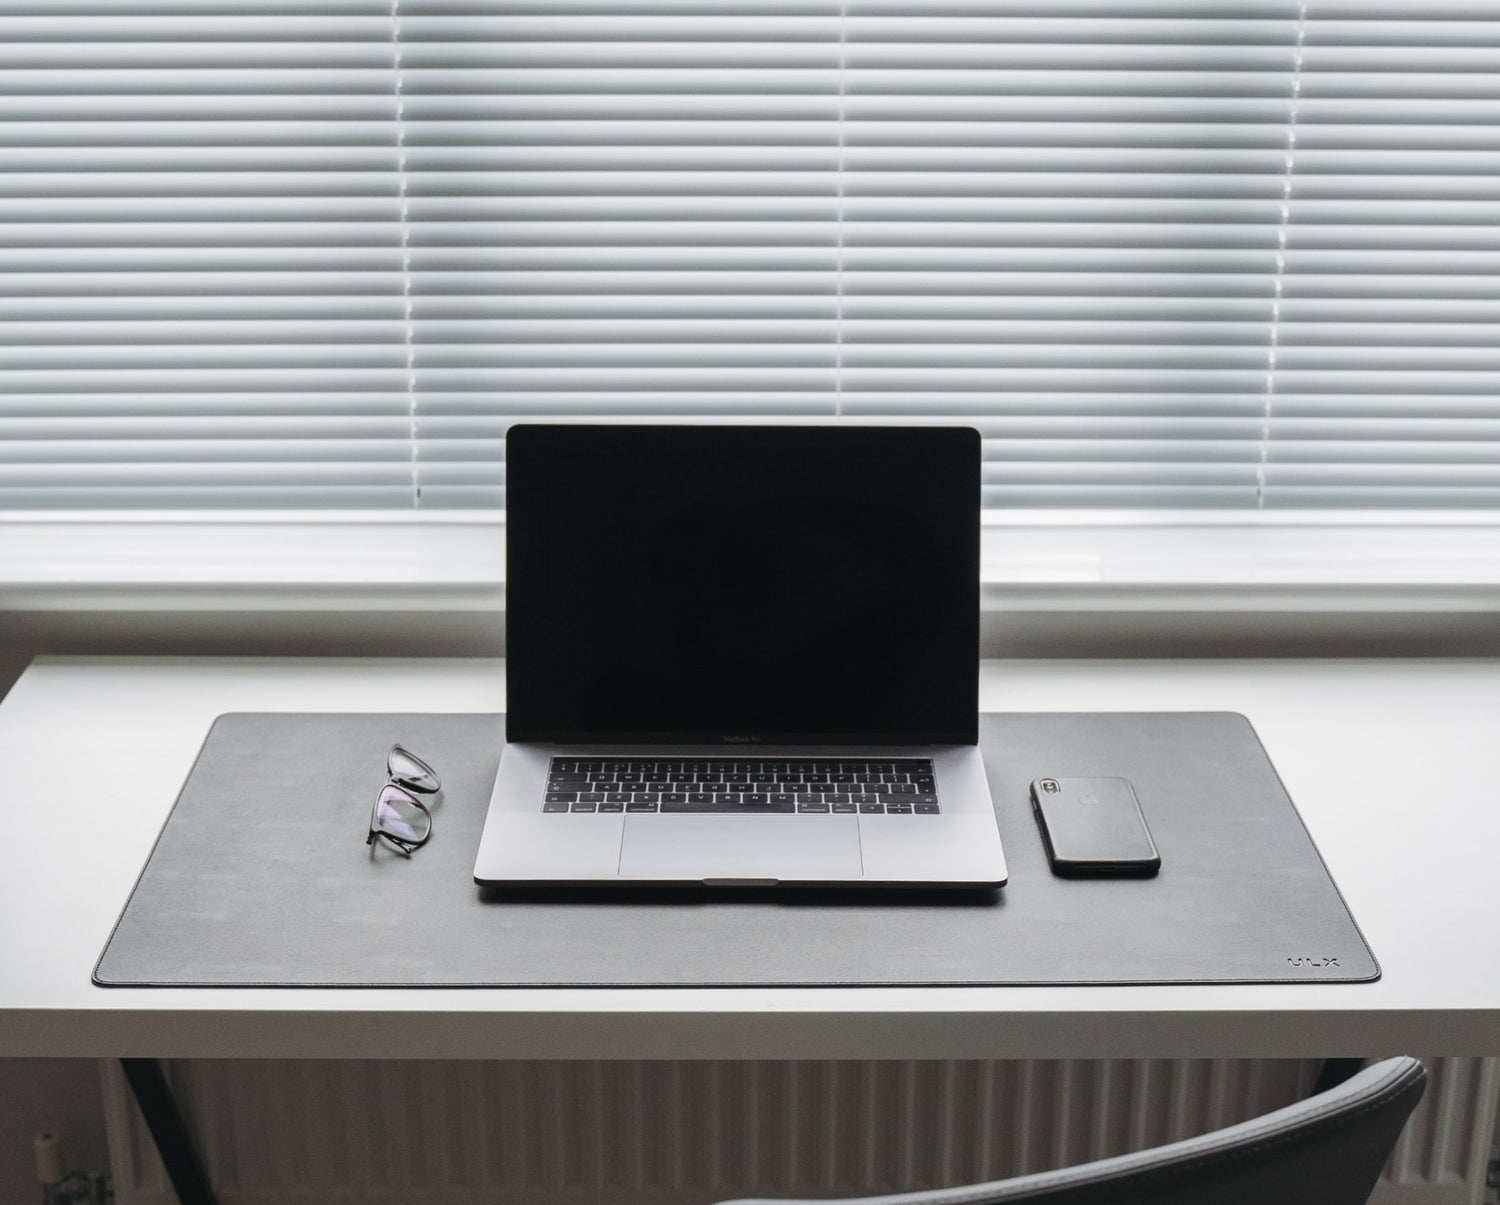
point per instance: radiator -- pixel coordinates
(688, 1133)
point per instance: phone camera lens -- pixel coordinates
(1050, 786)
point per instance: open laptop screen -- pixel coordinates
(742, 584)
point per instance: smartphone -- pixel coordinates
(1093, 827)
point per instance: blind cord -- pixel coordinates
(1282, 228)
(838, 275)
(408, 327)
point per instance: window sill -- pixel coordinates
(1031, 562)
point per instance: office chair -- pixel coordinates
(1325, 1150)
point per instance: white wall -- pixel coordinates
(59, 1096)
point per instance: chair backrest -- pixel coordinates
(1325, 1150)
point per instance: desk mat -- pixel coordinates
(261, 877)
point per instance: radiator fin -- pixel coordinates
(687, 1133)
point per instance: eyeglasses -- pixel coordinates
(399, 817)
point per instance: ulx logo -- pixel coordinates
(1313, 962)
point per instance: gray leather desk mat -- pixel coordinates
(261, 877)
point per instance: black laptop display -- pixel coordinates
(742, 584)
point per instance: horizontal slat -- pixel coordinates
(729, 261)
(313, 259)
(460, 313)
(184, 82)
(943, 335)
(197, 279)
(434, 108)
(117, 405)
(190, 331)
(477, 137)
(75, 57)
(150, 235)
(207, 379)
(36, 23)
(187, 450)
(856, 357)
(222, 180)
(217, 494)
(167, 111)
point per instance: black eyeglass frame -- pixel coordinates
(405, 787)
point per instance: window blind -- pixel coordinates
(200, 276)
(628, 210)
(1388, 345)
(1061, 227)
(1192, 253)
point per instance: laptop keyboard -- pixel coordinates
(902, 786)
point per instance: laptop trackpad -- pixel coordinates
(762, 848)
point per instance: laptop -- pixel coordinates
(742, 656)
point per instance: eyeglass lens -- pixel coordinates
(401, 816)
(411, 771)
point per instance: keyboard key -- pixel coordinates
(839, 807)
(895, 809)
(755, 797)
(617, 797)
(720, 806)
(836, 797)
(781, 798)
(633, 806)
(585, 807)
(644, 797)
(611, 806)
(876, 808)
(926, 809)
(556, 807)
(561, 797)
(674, 797)
(812, 807)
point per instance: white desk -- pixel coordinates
(1394, 765)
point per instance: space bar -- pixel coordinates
(729, 807)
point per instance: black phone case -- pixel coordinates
(1094, 828)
